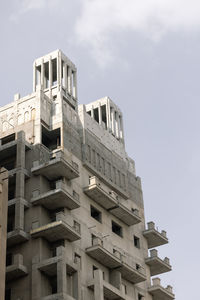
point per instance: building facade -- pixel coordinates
(76, 227)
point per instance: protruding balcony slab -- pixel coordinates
(110, 292)
(8, 149)
(57, 198)
(126, 215)
(100, 193)
(56, 167)
(132, 273)
(154, 237)
(60, 296)
(16, 236)
(17, 269)
(157, 265)
(102, 255)
(160, 293)
(57, 230)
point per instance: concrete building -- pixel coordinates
(76, 227)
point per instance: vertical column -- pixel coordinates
(20, 180)
(61, 271)
(42, 74)
(3, 227)
(36, 280)
(59, 75)
(113, 120)
(77, 285)
(50, 77)
(100, 113)
(69, 80)
(92, 112)
(34, 77)
(98, 285)
(75, 84)
(61, 277)
(108, 115)
(65, 75)
(117, 124)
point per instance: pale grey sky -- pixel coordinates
(145, 55)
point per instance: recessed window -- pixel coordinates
(95, 213)
(117, 229)
(136, 242)
(140, 297)
(94, 268)
(8, 294)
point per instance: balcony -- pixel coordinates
(58, 230)
(110, 292)
(126, 215)
(157, 265)
(17, 269)
(59, 296)
(154, 237)
(16, 236)
(100, 193)
(104, 254)
(57, 167)
(160, 293)
(8, 146)
(132, 271)
(57, 198)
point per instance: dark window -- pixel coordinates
(89, 112)
(136, 242)
(140, 297)
(104, 116)
(95, 213)
(9, 259)
(96, 114)
(8, 294)
(117, 229)
(8, 139)
(94, 268)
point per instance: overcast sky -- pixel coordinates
(144, 55)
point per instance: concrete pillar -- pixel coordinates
(20, 150)
(98, 285)
(19, 214)
(92, 112)
(34, 77)
(36, 280)
(100, 114)
(3, 228)
(113, 120)
(108, 115)
(50, 73)
(61, 277)
(117, 124)
(59, 75)
(42, 75)
(65, 75)
(69, 77)
(75, 84)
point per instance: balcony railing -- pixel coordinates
(58, 166)
(57, 198)
(160, 293)
(58, 230)
(106, 254)
(157, 265)
(154, 237)
(108, 199)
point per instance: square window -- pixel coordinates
(136, 242)
(117, 229)
(95, 213)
